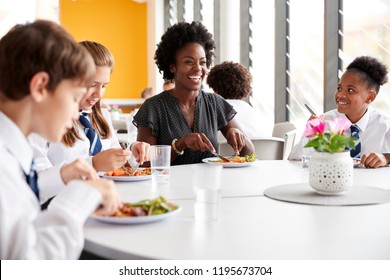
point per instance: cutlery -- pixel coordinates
(310, 110)
(133, 163)
(221, 157)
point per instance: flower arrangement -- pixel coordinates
(328, 135)
(113, 108)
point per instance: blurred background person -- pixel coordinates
(233, 82)
(147, 92)
(168, 85)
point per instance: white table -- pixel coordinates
(250, 226)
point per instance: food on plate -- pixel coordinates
(148, 207)
(237, 159)
(128, 171)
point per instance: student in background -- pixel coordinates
(233, 82)
(147, 92)
(357, 89)
(43, 98)
(186, 117)
(168, 85)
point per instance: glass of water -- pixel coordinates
(160, 162)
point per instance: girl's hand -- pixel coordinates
(140, 151)
(373, 160)
(110, 159)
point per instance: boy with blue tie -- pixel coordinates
(44, 75)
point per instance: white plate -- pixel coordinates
(228, 165)
(126, 178)
(135, 220)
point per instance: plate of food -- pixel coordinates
(127, 174)
(144, 211)
(234, 161)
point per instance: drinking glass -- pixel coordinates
(160, 162)
(206, 183)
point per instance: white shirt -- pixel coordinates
(50, 157)
(26, 232)
(374, 132)
(248, 120)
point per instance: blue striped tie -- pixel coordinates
(95, 143)
(32, 180)
(355, 133)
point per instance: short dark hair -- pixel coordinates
(177, 37)
(230, 80)
(41, 46)
(372, 71)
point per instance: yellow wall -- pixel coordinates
(120, 25)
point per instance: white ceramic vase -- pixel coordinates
(331, 173)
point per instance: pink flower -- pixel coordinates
(339, 125)
(314, 127)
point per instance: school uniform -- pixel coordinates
(50, 157)
(26, 231)
(374, 132)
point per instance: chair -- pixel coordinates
(287, 131)
(281, 128)
(270, 148)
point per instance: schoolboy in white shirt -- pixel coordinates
(44, 75)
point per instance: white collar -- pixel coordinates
(15, 142)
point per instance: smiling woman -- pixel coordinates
(186, 117)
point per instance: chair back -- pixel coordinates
(270, 148)
(287, 131)
(281, 128)
(289, 139)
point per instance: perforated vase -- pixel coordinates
(331, 173)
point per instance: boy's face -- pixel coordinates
(97, 89)
(56, 114)
(352, 96)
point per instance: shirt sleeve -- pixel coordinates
(29, 233)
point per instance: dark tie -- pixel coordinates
(94, 140)
(32, 180)
(355, 133)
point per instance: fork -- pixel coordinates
(221, 157)
(133, 163)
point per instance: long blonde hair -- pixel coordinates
(102, 57)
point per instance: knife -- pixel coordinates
(221, 157)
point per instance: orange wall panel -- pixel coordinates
(121, 26)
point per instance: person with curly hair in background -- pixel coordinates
(233, 82)
(186, 117)
(357, 89)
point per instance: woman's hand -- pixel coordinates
(110, 159)
(373, 160)
(110, 198)
(195, 142)
(78, 169)
(140, 151)
(236, 139)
